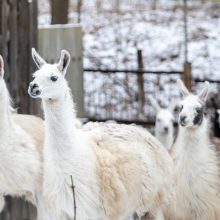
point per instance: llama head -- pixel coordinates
(164, 118)
(192, 106)
(49, 80)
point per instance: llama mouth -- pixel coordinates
(165, 132)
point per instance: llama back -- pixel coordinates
(34, 126)
(127, 147)
(21, 162)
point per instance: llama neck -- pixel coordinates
(193, 140)
(165, 139)
(59, 124)
(5, 108)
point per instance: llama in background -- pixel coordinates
(117, 169)
(21, 140)
(196, 161)
(164, 125)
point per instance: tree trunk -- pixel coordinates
(98, 5)
(59, 11)
(116, 6)
(79, 7)
(154, 5)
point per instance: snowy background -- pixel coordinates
(111, 40)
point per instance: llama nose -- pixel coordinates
(33, 85)
(166, 129)
(34, 89)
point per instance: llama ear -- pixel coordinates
(154, 103)
(184, 91)
(1, 66)
(64, 61)
(204, 93)
(37, 58)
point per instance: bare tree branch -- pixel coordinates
(74, 197)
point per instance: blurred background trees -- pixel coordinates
(59, 11)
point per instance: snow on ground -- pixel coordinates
(111, 40)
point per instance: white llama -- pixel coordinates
(164, 127)
(20, 157)
(116, 169)
(196, 161)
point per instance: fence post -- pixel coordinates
(187, 75)
(140, 76)
(16, 40)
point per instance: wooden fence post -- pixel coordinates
(187, 75)
(18, 32)
(140, 76)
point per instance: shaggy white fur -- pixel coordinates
(116, 169)
(196, 162)
(164, 128)
(20, 159)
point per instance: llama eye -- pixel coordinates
(54, 78)
(198, 110)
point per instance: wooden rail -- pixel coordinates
(131, 71)
(197, 80)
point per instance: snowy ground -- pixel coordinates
(111, 41)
